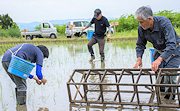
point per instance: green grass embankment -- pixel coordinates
(119, 35)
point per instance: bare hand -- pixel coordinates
(37, 80)
(108, 38)
(83, 28)
(138, 63)
(156, 63)
(43, 81)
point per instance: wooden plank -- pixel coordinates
(25, 30)
(71, 76)
(118, 92)
(129, 103)
(135, 88)
(79, 87)
(101, 87)
(156, 88)
(78, 90)
(114, 23)
(70, 26)
(130, 84)
(178, 90)
(69, 92)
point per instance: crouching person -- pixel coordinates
(160, 32)
(29, 52)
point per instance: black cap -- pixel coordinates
(44, 50)
(96, 13)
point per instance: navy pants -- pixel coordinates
(173, 62)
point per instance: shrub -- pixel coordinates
(3, 33)
(128, 22)
(14, 32)
(60, 29)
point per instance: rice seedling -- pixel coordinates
(61, 63)
(54, 98)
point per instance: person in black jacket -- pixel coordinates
(101, 23)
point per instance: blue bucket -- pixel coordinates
(20, 67)
(89, 34)
(152, 50)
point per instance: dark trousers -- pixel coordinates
(172, 63)
(101, 43)
(20, 82)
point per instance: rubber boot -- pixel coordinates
(21, 108)
(21, 97)
(92, 58)
(102, 59)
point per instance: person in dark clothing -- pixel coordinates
(159, 31)
(34, 54)
(101, 23)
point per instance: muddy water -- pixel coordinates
(63, 59)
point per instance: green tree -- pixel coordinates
(177, 20)
(126, 22)
(60, 29)
(38, 27)
(14, 26)
(5, 21)
(173, 16)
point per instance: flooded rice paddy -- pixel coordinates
(63, 59)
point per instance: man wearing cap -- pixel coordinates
(34, 54)
(101, 23)
(160, 32)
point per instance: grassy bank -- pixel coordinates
(125, 34)
(134, 33)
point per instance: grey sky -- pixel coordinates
(25, 11)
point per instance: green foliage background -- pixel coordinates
(127, 23)
(8, 28)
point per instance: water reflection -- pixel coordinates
(63, 59)
(75, 49)
(93, 64)
(105, 107)
(21, 108)
(43, 109)
(103, 65)
(24, 108)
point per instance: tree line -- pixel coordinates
(8, 28)
(126, 23)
